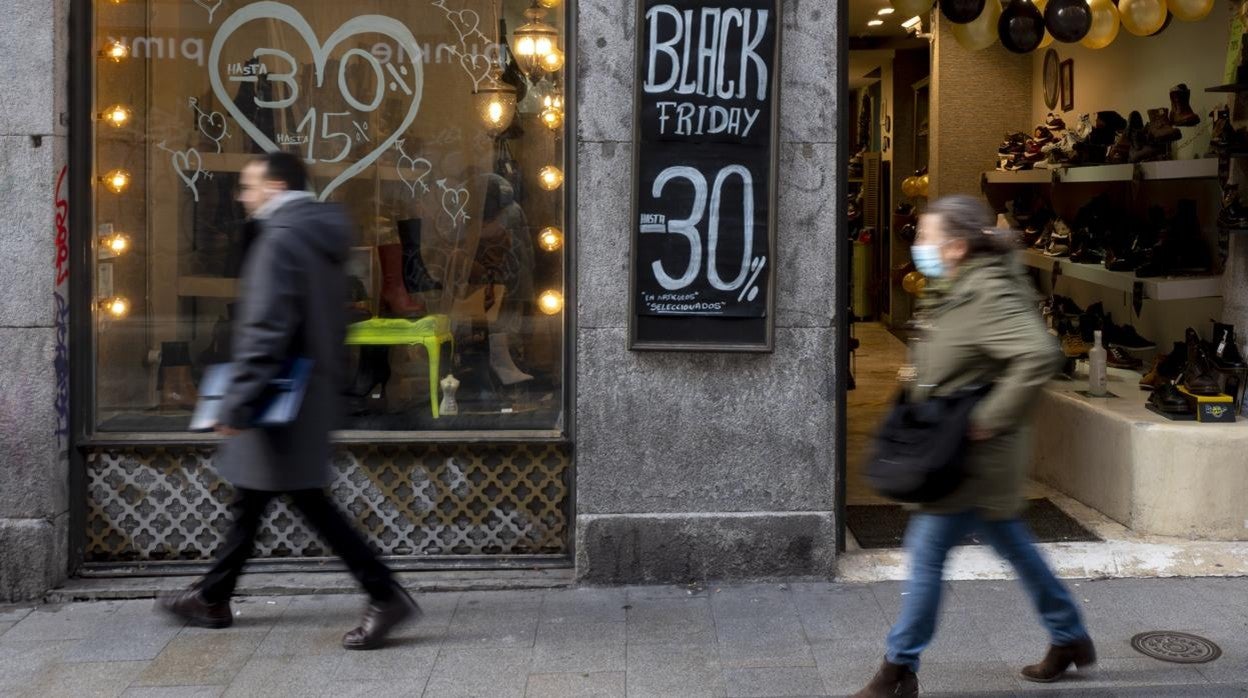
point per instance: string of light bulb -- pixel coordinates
(117, 180)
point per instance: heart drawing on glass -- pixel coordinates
(188, 161)
(406, 82)
(412, 171)
(211, 6)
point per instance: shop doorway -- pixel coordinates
(1127, 243)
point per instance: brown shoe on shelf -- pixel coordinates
(1153, 379)
(1074, 345)
(1082, 654)
(890, 681)
(191, 607)
(380, 619)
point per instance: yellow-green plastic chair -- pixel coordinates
(431, 331)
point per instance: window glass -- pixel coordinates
(438, 125)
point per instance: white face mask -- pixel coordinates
(927, 260)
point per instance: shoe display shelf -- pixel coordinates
(1152, 475)
(1203, 168)
(1154, 288)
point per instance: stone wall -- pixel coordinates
(697, 465)
(977, 97)
(34, 479)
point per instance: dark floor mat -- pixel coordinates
(884, 525)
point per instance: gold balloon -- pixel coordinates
(913, 283)
(1190, 10)
(924, 183)
(1105, 23)
(912, 8)
(1142, 17)
(910, 186)
(981, 32)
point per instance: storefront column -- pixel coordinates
(701, 465)
(34, 409)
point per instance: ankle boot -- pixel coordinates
(890, 681)
(394, 298)
(1142, 148)
(415, 275)
(1059, 658)
(1187, 245)
(1223, 132)
(1181, 113)
(1199, 376)
(372, 374)
(173, 380)
(501, 362)
(1160, 132)
(1234, 215)
(1225, 349)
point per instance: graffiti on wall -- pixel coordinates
(61, 362)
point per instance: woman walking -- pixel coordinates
(981, 326)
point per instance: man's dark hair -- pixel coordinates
(286, 168)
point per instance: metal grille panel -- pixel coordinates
(168, 503)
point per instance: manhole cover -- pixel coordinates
(1180, 648)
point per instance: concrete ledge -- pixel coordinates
(1152, 475)
(675, 548)
(32, 557)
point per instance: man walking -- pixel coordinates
(293, 295)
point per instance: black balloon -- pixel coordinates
(1021, 27)
(962, 11)
(1068, 20)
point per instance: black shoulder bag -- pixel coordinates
(919, 452)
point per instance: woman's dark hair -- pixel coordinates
(286, 168)
(970, 219)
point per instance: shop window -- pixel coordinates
(438, 125)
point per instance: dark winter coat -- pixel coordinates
(986, 328)
(292, 300)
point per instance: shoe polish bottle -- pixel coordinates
(1098, 379)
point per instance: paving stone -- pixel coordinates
(786, 681)
(763, 641)
(145, 634)
(319, 642)
(583, 685)
(752, 600)
(676, 620)
(21, 663)
(847, 664)
(283, 676)
(4, 628)
(61, 622)
(321, 612)
(494, 619)
(829, 612)
(590, 658)
(587, 605)
(201, 660)
(967, 677)
(497, 672)
(574, 632)
(12, 614)
(674, 670)
(1121, 674)
(175, 692)
(85, 679)
(405, 661)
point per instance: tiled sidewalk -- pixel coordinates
(757, 640)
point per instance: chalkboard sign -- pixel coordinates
(703, 238)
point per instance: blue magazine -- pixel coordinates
(280, 405)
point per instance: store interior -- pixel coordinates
(1116, 166)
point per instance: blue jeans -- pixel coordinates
(928, 540)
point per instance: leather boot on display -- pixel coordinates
(1192, 254)
(1142, 148)
(1181, 113)
(1199, 375)
(395, 300)
(415, 275)
(1160, 131)
(891, 681)
(1225, 349)
(1234, 215)
(501, 362)
(372, 374)
(1170, 400)
(174, 381)
(1223, 131)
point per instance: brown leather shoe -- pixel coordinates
(380, 619)
(191, 607)
(891, 681)
(1058, 659)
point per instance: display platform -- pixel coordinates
(1152, 475)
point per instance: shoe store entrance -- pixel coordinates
(1117, 175)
